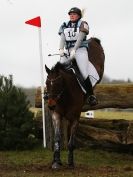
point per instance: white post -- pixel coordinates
(42, 85)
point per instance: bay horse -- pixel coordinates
(66, 99)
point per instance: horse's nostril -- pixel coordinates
(51, 107)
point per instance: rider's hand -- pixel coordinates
(61, 52)
(72, 54)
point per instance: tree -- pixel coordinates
(17, 130)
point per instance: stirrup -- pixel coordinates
(92, 100)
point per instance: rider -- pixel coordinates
(73, 42)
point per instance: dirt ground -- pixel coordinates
(79, 171)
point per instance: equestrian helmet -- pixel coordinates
(75, 10)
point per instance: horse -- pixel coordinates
(66, 99)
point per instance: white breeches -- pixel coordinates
(85, 66)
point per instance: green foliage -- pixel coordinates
(30, 93)
(17, 129)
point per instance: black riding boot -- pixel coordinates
(91, 98)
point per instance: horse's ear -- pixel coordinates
(47, 69)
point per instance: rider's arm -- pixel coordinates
(81, 36)
(62, 44)
(62, 41)
(84, 30)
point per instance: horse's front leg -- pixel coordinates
(71, 144)
(56, 123)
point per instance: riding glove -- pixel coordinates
(72, 54)
(61, 52)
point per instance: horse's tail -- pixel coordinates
(96, 55)
(98, 41)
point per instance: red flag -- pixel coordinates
(35, 21)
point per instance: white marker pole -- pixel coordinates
(37, 22)
(42, 85)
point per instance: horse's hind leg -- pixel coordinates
(71, 144)
(56, 157)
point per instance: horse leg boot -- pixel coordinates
(71, 144)
(91, 98)
(56, 157)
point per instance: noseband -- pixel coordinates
(58, 95)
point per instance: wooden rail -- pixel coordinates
(109, 96)
(108, 134)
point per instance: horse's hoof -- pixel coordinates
(56, 165)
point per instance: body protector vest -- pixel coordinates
(71, 32)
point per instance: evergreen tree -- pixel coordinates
(16, 121)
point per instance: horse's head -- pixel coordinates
(54, 84)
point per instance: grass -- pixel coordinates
(89, 163)
(93, 158)
(114, 115)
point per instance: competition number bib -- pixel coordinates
(70, 34)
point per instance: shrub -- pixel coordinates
(17, 129)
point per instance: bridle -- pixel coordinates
(53, 80)
(57, 95)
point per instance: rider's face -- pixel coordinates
(74, 17)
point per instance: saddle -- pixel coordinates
(73, 66)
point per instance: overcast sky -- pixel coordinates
(109, 20)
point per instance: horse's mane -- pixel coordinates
(58, 66)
